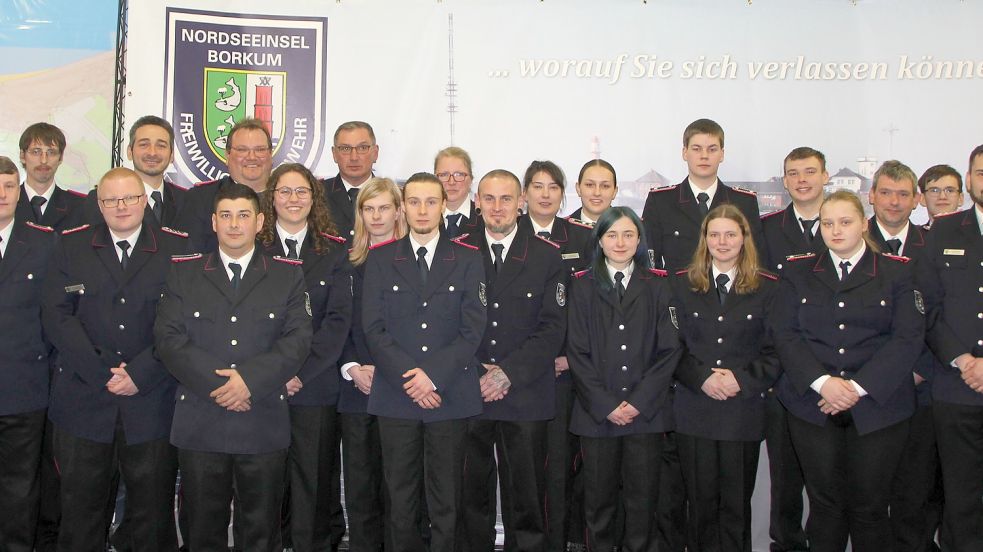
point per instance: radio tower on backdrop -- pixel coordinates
(451, 84)
(595, 147)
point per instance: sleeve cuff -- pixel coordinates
(860, 390)
(818, 384)
(345, 368)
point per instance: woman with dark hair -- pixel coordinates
(298, 225)
(378, 220)
(849, 326)
(597, 186)
(623, 348)
(722, 304)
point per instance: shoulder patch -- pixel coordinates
(581, 273)
(547, 240)
(744, 191)
(580, 223)
(74, 230)
(173, 232)
(382, 243)
(284, 260)
(664, 188)
(659, 272)
(206, 183)
(77, 193)
(40, 227)
(792, 258)
(332, 237)
(185, 258)
(768, 275)
(899, 258)
(457, 241)
(773, 213)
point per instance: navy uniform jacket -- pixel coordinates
(340, 204)
(174, 196)
(576, 241)
(736, 336)
(527, 323)
(672, 220)
(867, 328)
(470, 225)
(436, 327)
(263, 330)
(914, 249)
(23, 349)
(330, 287)
(951, 273)
(62, 212)
(783, 238)
(97, 316)
(623, 351)
(195, 215)
(350, 399)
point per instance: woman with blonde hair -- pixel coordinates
(849, 326)
(378, 220)
(722, 303)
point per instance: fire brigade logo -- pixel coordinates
(222, 68)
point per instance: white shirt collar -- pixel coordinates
(799, 217)
(627, 271)
(148, 189)
(464, 210)
(731, 274)
(431, 248)
(506, 241)
(5, 235)
(132, 240)
(888, 236)
(299, 236)
(243, 261)
(711, 191)
(585, 218)
(46, 195)
(854, 260)
(536, 228)
(979, 217)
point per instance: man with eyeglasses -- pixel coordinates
(112, 400)
(942, 191)
(355, 153)
(42, 149)
(151, 150)
(249, 152)
(453, 168)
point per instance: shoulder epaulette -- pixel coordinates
(579, 222)
(581, 273)
(40, 227)
(458, 241)
(184, 258)
(681, 272)
(768, 275)
(665, 188)
(771, 214)
(77, 193)
(792, 258)
(659, 272)
(173, 232)
(295, 262)
(332, 237)
(206, 183)
(74, 230)
(549, 241)
(380, 244)
(899, 258)
(744, 191)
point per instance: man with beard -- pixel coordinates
(151, 150)
(42, 150)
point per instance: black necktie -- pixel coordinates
(497, 249)
(543, 234)
(236, 269)
(619, 284)
(453, 224)
(124, 259)
(722, 280)
(894, 244)
(844, 269)
(291, 248)
(36, 203)
(704, 200)
(158, 207)
(353, 194)
(421, 261)
(807, 228)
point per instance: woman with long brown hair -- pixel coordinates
(722, 303)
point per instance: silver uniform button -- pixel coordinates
(234, 342)
(424, 348)
(122, 327)
(621, 326)
(779, 266)
(842, 326)
(494, 324)
(624, 347)
(842, 351)
(182, 397)
(883, 302)
(675, 232)
(493, 342)
(395, 288)
(322, 282)
(841, 304)
(625, 389)
(197, 314)
(493, 359)
(803, 300)
(720, 340)
(233, 365)
(843, 373)
(424, 304)
(281, 397)
(696, 315)
(624, 368)
(233, 319)
(749, 317)
(424, 325)
(30, 276)
(495, 305)
(980, 342)
(720, 318)
(272, 315)
(122, 300)
(450, 288)
(528, 294)
(719, 362)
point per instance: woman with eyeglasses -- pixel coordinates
(378, 220)
(722, 302)
(623, 348)
(597, 186)
(298, 226)
(849, 326)
(452, 166)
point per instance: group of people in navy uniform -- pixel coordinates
(455, 353)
